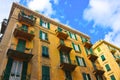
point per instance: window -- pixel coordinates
(45, 51)
(73, 36)
(80, 61)
(84, 39)
(112, 77)
(86, 76)
(44, 24)
(45, 73)
(98, 49)
(103, 58)
(76, 47)
(107, 67)
(43, 36)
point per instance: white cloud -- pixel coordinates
(5, 7)
(105, 13)
(44, 6)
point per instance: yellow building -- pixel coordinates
(35, 47)
(109, 59)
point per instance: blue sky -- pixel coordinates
(100, 19)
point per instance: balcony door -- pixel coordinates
(16, 70)
(21, 45)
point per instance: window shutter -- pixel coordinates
(84, 62)
(88, 76)
(8, 69)
(46, 51)
(84, 76)
(59, 29)
(103, 57)
(41, 22)
(45, 73)
(61, 41)
(79, 48)
(77, 60)
(48, 25)
(61, 57)
(40, 34)
(86, 50)
(91, 51)
(112, 77)
(69, 58)
(46, 36)
(70, 35)
(73, 45)
(107, 67)
(75, 36)
(24, 70)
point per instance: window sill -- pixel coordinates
(45, 41)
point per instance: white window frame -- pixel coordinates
(81, 62)
(76, 48)
(45, 24)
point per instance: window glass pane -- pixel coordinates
(107, 67)
(112, 77)
(80, 61)
(45, 73)
(44, 24)
(76, 48)
(43, 36)
(98, 49)
(103, 57)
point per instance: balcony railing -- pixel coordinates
(19, 55)
(87, 44)
(64, 48)
(27, 19)
(20, 33)
(67, 66)
(62, 34)
(92, 57)
(112, 50)
(117, 59)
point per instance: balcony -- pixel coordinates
(112, 50)
(92, 57)
(27, 19)
(64, 48)
(19, 55)
(117, 60)
(87, 44)
(68, 66)
(62, 34)
(20, 33)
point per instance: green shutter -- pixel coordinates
(8, 69)
(61, 41)
(107, 67)
(86, 50)
(45, 51)
(21, 45)
(75, 36)
(73, 45)
(46, 36)
(41, 22)
(84, 61)
(48, 25)
(112, 77)
(84, 76)
(79, 48)
(68, 75)
(45, 73)
(69, 58)
(88, 76)
(103, 57)
(24, 70)
(24, 28)
(91, 51)
(70, 35)
(40, 34)
(59, 29)
(61, 57)
(77, 60)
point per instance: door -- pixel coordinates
(21, 45)
(68, 75)
(16, 70)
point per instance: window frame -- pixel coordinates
(107, 66)
(79, 59)
(45, 51)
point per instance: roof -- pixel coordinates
(98, 43)
(16, 5)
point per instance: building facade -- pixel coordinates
(108, 58)
(35, 47)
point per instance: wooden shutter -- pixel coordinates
(24, 70)
(79, 48)
(45, 73)
(112, 77)
(48, 25)
(77, 60)
(75, 36)
(40, 34)
(8, 69)
(103, 57)
(41, 22)
(70, 35)
(25, 28)
(86, 50)
(73, 45)
(84, 61)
